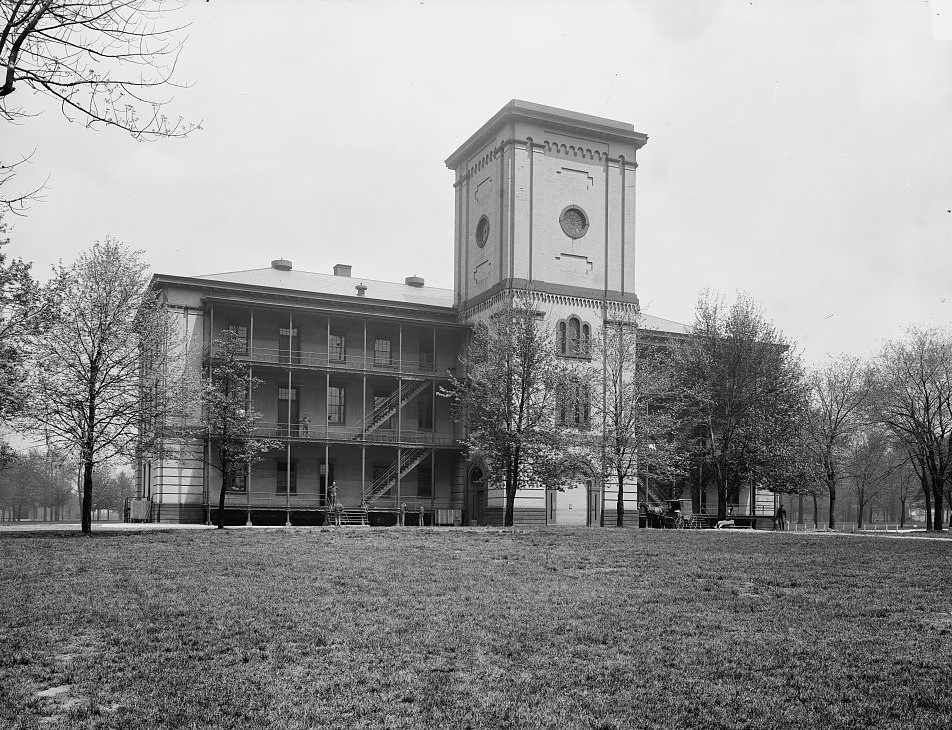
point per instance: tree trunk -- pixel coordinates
(937, 508)
(832, 518)
(620, 505)
(512, 481)
(721, 499)
(221, 495)
(87, 506)
(927, 494)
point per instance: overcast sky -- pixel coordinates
(798, 151)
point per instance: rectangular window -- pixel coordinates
(239, 478)
(425, 412)
(335, 404)
(382, 354)
(574, 407)
(282, 477)
(289, 349)
(424, 482)
(583, 406)
(426, 354)
(336, 347)
(240, 332)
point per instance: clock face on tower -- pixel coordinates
(574, 222)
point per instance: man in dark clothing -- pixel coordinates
(781, 519)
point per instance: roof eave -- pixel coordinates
(553, 117)
(273, 292)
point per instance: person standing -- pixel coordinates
(781, 518)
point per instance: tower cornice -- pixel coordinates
(553, 118)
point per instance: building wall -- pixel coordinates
(521, 185)
(181, 476)
(520, 180)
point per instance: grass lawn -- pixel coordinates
(416, 628)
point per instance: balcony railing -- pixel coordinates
(349, 361)
(298, 432)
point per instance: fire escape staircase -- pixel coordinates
(385, 411)
(410, 459)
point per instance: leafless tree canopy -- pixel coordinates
(838, 393)
(638, 409)
(88, 396)
(914, 399)
(107, 62)
(509, 396)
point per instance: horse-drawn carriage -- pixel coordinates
(671, 515)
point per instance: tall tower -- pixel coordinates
(545, 200)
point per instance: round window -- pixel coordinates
(574, 222)
(482, 231)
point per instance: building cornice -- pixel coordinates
(552, 118)
(252, 295)
(563, 290)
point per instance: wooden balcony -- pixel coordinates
(350, 362)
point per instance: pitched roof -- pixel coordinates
(313, 282)
(309, 281)
(650, 322)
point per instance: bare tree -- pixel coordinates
(228, 416)
(111, 488)
(869, 464)
(86, 380)
(107, 63)
(741, 388)
(914, 400)
(638, 408)
(838, 393)
(508, 397)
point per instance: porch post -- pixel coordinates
(251, 349)
(287, 465)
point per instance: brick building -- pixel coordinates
(545, 203)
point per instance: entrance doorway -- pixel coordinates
(289, 411)
(594, 503)
(476, 496)
(550, 506)
(326, 478)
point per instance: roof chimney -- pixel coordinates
(361, 289)
(341, 269)
(416, 281)
(281, 264)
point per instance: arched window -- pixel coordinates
(586, 340)
(575, 405)
(575, 336)
(562, 338)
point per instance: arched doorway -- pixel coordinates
(476, 494)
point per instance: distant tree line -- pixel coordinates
(39, 487)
